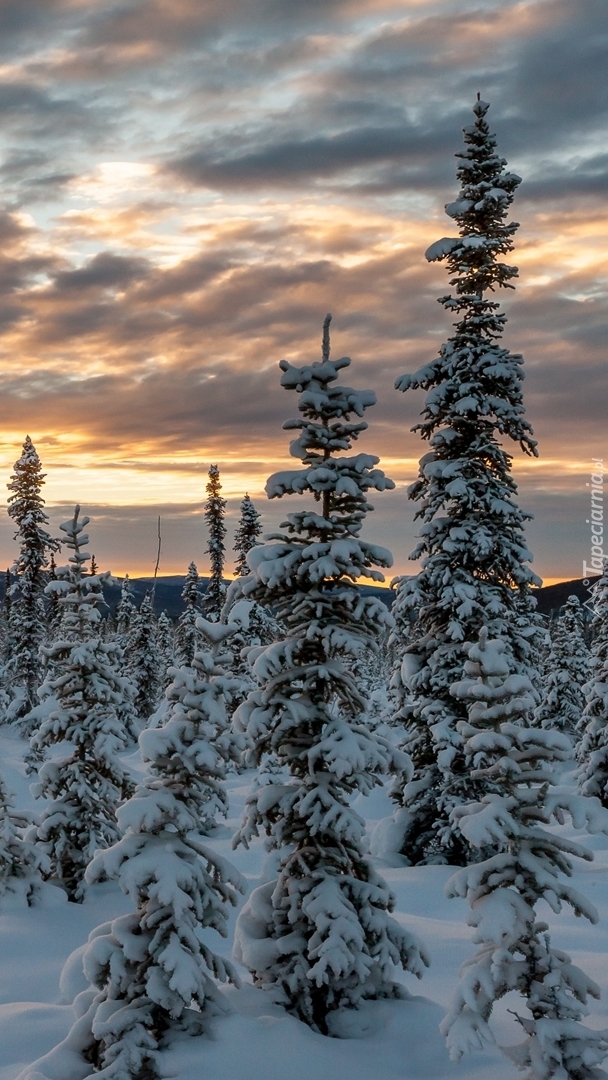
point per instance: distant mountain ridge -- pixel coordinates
(168, 593)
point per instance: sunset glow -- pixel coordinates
(189, 187)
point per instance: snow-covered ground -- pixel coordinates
(257, 1040)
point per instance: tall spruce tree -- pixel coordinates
(329, 939)
(85, 693)
(28, 616)
(566, 672)
(215, 513)
(246, 536)
(524, 863)
(472, 548)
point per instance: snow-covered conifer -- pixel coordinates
(592, 751)
(143, 661)
(28, 616)
(165, 644)
(84, 692)
(21, 862)
(151, 967)
(472, 547)
(186, 635)
(125, 611)
(320, 938)
(246, 536)
(523, 865)
(566, 672)
(215, 512)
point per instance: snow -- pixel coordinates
(385, 1040)
(441, 248)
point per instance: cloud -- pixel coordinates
(198, 183)
(104, 271)
(307, 159)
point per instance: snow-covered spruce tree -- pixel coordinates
(165, 642)
(186, 635)
(28, 616)
(592, 750)
(320, 938)
(566, 672)
(524, 864)
(21, 862)
(215, 513)
(85, 693)
(472, 548)
(143, 660)
(246, 536)
(152, 968)
(125, 612)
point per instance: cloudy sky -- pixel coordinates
(188, 186)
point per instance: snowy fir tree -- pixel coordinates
(320, 937)
(28, 615)
(143, 661)
(246, 536)
(153, 967)
(592, 750)
(21, 862)
(215, 513)
(524, 864)
(165, 644)
(125, 611)
(186, 634)
(566, 672)
(84, 692)
(472, 549)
